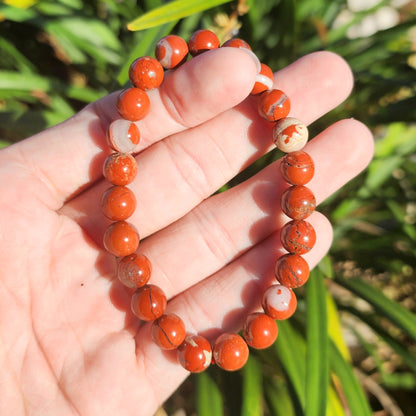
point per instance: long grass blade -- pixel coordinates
(252, 389)
(208, 396)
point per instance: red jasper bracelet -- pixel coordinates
(230, 351)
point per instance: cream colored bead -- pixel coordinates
(290, 134)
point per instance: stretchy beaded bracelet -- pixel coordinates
(230, 351)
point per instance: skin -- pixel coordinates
(69, 344)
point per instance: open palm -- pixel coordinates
(69, 344)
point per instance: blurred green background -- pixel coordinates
(355, 353)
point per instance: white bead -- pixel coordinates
(290, 134)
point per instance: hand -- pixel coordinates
(69, 344)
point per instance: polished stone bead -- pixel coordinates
(290, 134)
(171, 51)
(134, 270)
(118, 203)
(298, 236)
(148, 302)
(291, 270)
(260, 331)
(273, 105)
(230, 352)
(237, 43)
(297, 168)
(146, 73)
(120, 168)
(201, 41)
(133, 104)
(298, 202)
(123, 136)
(195, 353)
(121, 239)
(168, 331)
(279, 302)
(264, 80)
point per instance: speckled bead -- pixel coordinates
(118, 203)
(298, 236)
(146, 73)
(274, 105)
(120, 168)
(134, 270)
(298, 202)
(133, 104)
(148, 302)
(279, 302)
(195, 353)
(264, 80)
(291, 270)
(121, 239)
(168, 331)
(297, 168)
(290, 134)
(260, 330)
(230, 352)
(237, 43)
(123, 136)
(201, 41)
(171, 51)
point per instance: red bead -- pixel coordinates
(290, 134)
(123, 136)
(168, 331)
(118, 203)
(237, 43)
(120, 168)
(148, 302)
(146, 73)
(194, 354)
(260, 331)
(297, 168)
(274, 105)
(264, 80)
(171, 51)
(291, 270)
(298, 202)
(121, 239)
(134, 270)
(298, 236)
(202, 41)
(133, 104)
(279, 302)
(230, 352)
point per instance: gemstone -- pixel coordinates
(146, 73)
(298, 202)
(290, 134)
(273, 105)
(123, 136)
(279, 302)
(201, 41)
(264, 80)
(134, 270)
(297, 168)
(230, 352)
(171, 51)
(298, 236)
(195, 354)
(148, 302)
(260, 331)
(168, 331)
(120, 168)
(237, 43)
(133, 104)
(291, 270)
(121, 239)
(118, 203)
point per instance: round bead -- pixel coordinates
(148, 302)
(298, 202)
(146, 73)
(297, 168)
(264, 80)
(260, 331)
(290, 134)
(134, 270)
(274, 105)
(171, 51)
(298, 236)
(168, 331)
(237, 43)
(133, 104)
(120, 168)
(202, 41)
(121, 239)
(279, 302)
(123, 136)
(291, 270)
(194, 354)
(118, 203)
(230, 352)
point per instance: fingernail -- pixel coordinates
(254, 57)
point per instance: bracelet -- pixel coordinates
(230, 351)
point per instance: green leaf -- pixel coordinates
(174, 10)
(208, 396)
(317, 364)
(252, 389)
(3, 143)
(278, 397)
